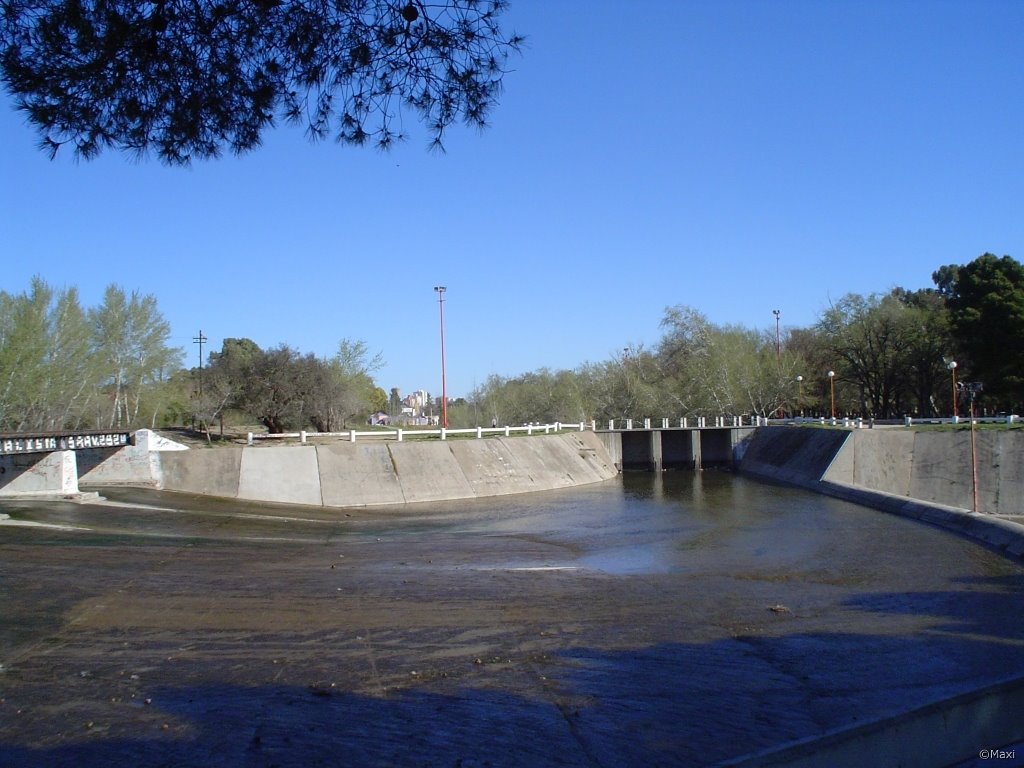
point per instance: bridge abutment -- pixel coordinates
(39, 474)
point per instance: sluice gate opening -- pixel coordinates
(654, 450)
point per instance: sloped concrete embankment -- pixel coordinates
(366, 474)
(924, 475)
(936, 467)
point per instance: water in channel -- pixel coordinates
(673, 619)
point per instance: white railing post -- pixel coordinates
(647, 423)
(351, 435)
(444, 433)
(629, 423)
(529, 428)
(399, 435)
(479, 432)
(249, 440)
(558, 426)
(682, 422)
(302, 437)
(508, 430)
(611, 425)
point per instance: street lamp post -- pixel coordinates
(832, 389)
(973, 388)
(952, 368)
(444, 391)
(800, 397)
(778, 338)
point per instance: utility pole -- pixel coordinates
(444, 391)
(200, 340)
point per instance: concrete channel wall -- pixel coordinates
(929, 467)
(363, 474)
(923, 475)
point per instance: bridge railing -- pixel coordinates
(906, 421)
(684, 422)
(400, 435)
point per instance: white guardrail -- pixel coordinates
(402, 434)
(906, 421)
(698, 422)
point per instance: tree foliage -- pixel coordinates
(871, 340)
(986, 303)
(189, 78)
(62, 366)
(722, 370)
(131, 349)
(282, 388)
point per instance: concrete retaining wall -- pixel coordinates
(364, 474)
(935, 467)
(922, 475)
(930, 467)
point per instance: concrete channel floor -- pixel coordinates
(262, 637)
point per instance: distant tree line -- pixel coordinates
(65, 366)
(890, 353)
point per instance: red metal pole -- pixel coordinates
(974, 460)
(832, 392)
(952, 367)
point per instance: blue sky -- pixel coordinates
(737, 157)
